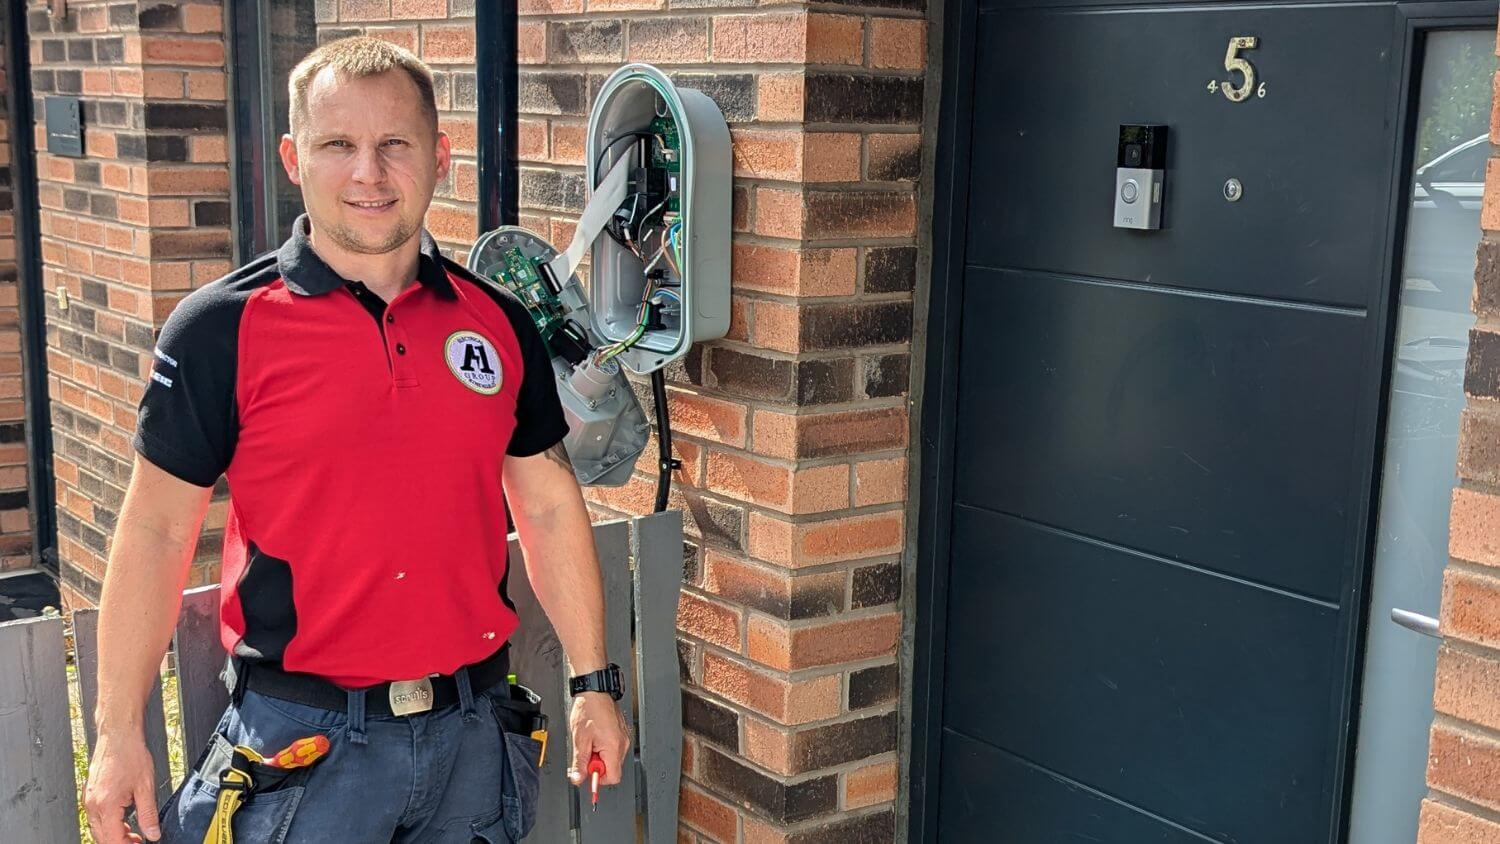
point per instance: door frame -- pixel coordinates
(940, 357)
(30, 292)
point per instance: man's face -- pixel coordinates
(366, 158)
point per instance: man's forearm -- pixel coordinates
(564, 571)
(141, 597)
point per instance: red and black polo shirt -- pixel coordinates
(363, 444)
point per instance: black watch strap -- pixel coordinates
(605, 680)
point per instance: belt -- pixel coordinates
(309, 690)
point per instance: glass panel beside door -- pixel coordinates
(1451, 149)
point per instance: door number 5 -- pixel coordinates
(1235, 63)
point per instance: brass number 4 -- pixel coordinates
(1234, 62)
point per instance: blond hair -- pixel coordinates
(355, 57)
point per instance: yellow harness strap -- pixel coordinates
(234, 784)
(238, 780)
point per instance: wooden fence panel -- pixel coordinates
(38, 796)
(617, 805)
(200, 660)
(86, 648)
(658, 582)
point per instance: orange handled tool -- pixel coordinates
(596, 770)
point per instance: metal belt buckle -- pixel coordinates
(411, 696)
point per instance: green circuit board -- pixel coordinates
(520, 275)
(667, 156)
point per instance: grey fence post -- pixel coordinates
(200, 659)
(617, 805)
(657, 550)
(86, 649)
(38, 797)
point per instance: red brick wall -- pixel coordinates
(127, 231)
(1464, 756)
(15, 515)
(793, 430)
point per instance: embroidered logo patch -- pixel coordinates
(473, 360)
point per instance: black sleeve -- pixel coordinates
(187, 423)
(539, 415)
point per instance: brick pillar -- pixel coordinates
(15, 513)
(793, 430)
(127, 231)
(441, 32)
(1463, 768)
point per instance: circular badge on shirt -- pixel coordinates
(473, 361)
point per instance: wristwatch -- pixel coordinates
(606, 679)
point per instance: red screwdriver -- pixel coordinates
(596, 770)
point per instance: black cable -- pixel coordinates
(665, 461)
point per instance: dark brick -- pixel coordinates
(887, 375)
(139, 336)
(897, 163)
(123, 16)
(86, 172)
(876, 585)
(687, 369)
(871, 686)
(153, 148)
(162, 16)
(75, 200)
(90, 484)
(844, 326)
(551, 93)
(54, 50)
(95, 350)
(552, 190)
(14, 500)
(718, 524)
(875, 828)
(210, 213)
(816, 600)
(43, 82)
(851, 214)
(890, 269)
(38, 21)
(711, 721)
(184, 116)
(103, 205)
(125, 361)
(112, 114)
(585, 41)
(1487, 278)
(750, 376)
(107, 520)
(81, 581)
(783, 802)
(835, 744)
(465, 91)
(1482, 373)
(81, 50)
(686, 659)
(825, 381)
(110, 49)
(13, 432)
(844, 98)
(82, 316)
(68, 341)
(690, 555)
(733, 93)
(95, 292)
(69, 81)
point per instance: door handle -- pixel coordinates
(1424, 624)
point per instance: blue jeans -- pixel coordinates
(449, 775)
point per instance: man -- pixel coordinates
(373, 407)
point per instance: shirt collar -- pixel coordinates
(306, 273)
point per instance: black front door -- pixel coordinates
(1164, 441)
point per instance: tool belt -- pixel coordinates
(400, 697)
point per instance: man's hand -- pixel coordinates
(597, 725)
(120, 775)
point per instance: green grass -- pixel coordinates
(175, 761)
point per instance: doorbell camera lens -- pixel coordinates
(1133, 155)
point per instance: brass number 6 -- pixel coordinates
(1233, 62)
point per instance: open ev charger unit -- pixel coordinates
(658, 221)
